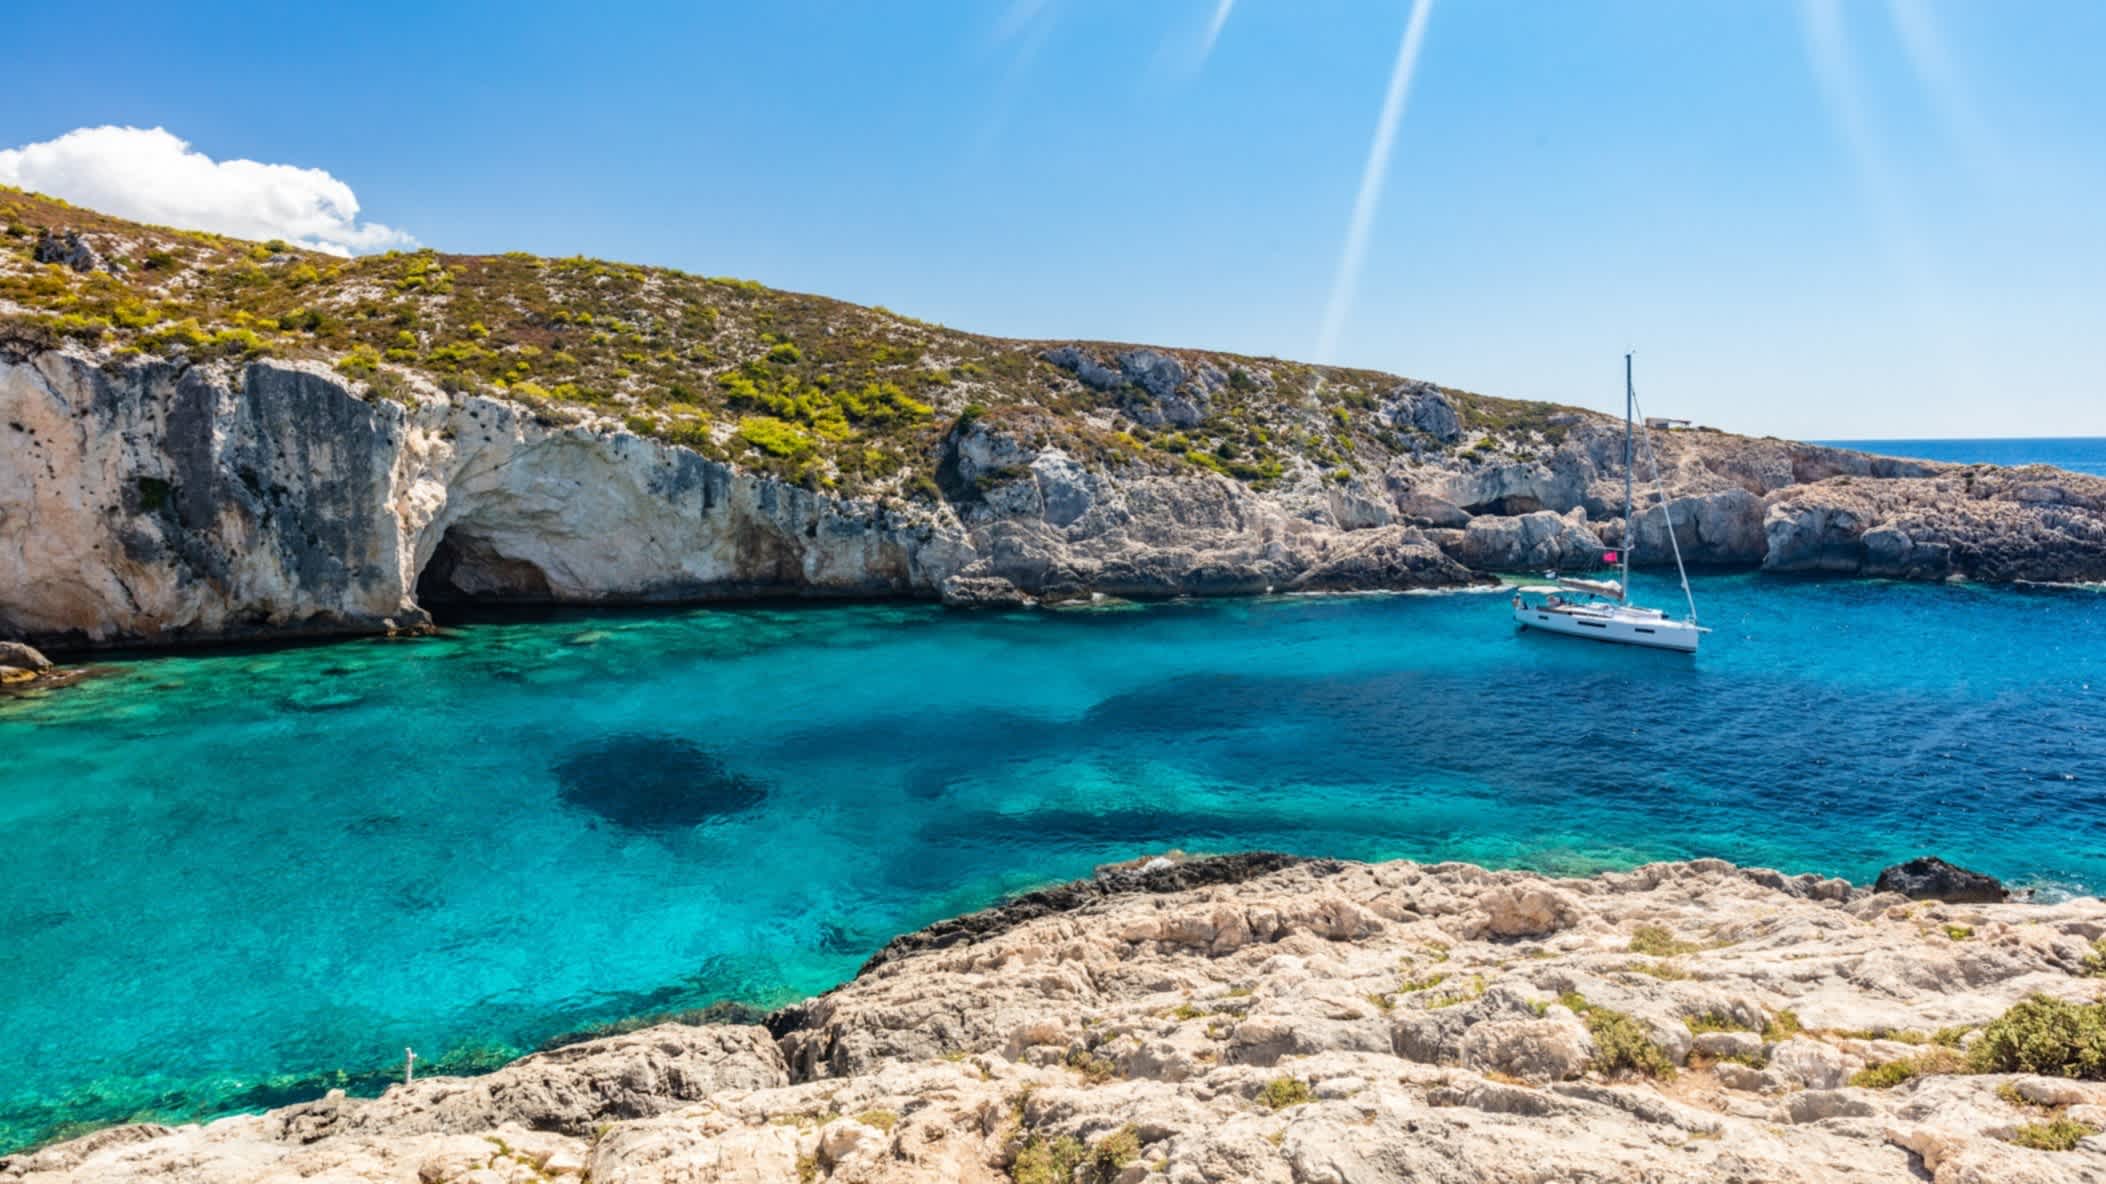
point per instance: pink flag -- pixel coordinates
(1608, 556)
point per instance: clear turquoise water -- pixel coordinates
(2080, 454)
(231, 876)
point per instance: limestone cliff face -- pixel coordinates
(152, 502)
(155, 502)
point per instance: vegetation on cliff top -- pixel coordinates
(833, 395)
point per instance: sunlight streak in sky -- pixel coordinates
(1924, 44)
(1918, 285)
(1022, 31)
(1828, 52)
(1371, 179)
(1019, 17)
(1213, 34)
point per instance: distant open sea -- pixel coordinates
(2079, 454)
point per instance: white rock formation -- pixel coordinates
(147, 502)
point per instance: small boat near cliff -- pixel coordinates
(1601, 610)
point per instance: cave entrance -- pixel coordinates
(468, 577)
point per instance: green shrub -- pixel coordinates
(1893, 1073)
(774, 437)
(239, 343)
(186, 334)
(1282, 1092)
(784, 354)
(1094, 1069)
(361, 362)
(1047, 1161)
(1621, 1044)
(75, 325)
(2046, 1036)
(1110, 1155)
(1949, 1037)
(2058, 1134)
(1659, 942)
(1058, 1160)
(2094, 965)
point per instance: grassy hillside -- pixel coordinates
(833, 395)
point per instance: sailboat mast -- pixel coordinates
(1630, 534)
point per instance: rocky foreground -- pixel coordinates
(1258, 1018)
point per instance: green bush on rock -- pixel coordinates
(1621, 1043)
(1059, 1160)
(2059, 1134)
(1282, 1092)
(2050, 1037)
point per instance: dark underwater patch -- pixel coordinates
(653, 783)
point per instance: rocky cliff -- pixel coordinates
(1264, 1019)
(210, 439)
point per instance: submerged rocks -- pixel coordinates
(1931, 878)
(654, 783)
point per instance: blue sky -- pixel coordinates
(1858, 219)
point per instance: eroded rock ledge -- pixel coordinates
(1267, 1019)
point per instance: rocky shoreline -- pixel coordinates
(150, 502)
(1268, 1018)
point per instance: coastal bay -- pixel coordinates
(248, 875)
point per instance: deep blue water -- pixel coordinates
(232, 875)
(2081, 454)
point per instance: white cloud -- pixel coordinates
(153, 176)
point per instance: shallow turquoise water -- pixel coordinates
(231, 876)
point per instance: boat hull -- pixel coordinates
(1652, 633)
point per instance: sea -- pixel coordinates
(239, 878)
(2079, 454)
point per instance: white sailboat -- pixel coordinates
(1601, 610)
